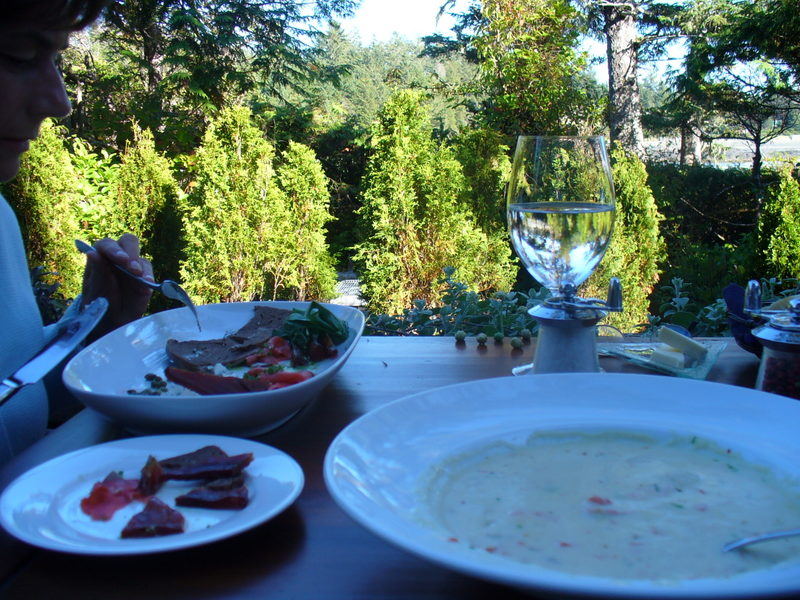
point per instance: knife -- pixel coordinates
(70, 333)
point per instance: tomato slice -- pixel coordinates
(290, 376)
(279, 348)
(285, 377)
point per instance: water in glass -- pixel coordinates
(560, 208)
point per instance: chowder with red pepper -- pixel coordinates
(615, 504)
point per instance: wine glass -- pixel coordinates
(560, 208)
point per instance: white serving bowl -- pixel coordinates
(101, 374)
(378, 468)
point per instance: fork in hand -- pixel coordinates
(169, 288)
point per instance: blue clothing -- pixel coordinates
(23, 419)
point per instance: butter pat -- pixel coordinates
(668, 357)
(687, 345)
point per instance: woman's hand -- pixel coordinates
(127, 298)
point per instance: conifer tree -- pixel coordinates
(484, 158)
(305, 187)
(411, 216)
(45, 196)
(235, 220)
(145, 202)
(779, 227)
(636, 248)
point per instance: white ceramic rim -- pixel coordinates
(619, 402)
(40, 517)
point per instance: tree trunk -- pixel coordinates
(623, 88)
(757, 184)
(150, 54)
(695, 147)
(694, 141)
(684, 150)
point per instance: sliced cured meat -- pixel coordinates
(108, 496)
(151, 478)
(226, 483)
(228, 493)
(196, 354)
(208, 383)
(259, 329)
(233, 348)
(155, 520)
(191, 458)
(209, 462)
(260, 379)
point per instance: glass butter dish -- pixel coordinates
(640, 353)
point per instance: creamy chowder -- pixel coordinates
(615, 504)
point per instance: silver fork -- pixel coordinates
(759, 538)
(169, 288)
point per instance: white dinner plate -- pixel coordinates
(42, 506)
(376, 468)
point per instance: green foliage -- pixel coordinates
(708, 226)
(96, 177)
(719, 265)
(702, 203)
(779, 227)
(333, 115)
(146, 202)
(462, 310)
(315, 325)
(413, 224)
(183, 61)
(49, 299)
(304, 186)
(251, 233)
(530, 66)
(680, 310)
(343, 158)
(636, 249)
(171, 65)
(109, 94)
(369, 75)
(710, 320)
(756, 29)
(44, 198)
(235, 218)
(736, 71)
(484, 158)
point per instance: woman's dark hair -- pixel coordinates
(51, 14)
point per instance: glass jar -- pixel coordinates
(779, 371)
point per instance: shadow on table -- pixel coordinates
(221, 569)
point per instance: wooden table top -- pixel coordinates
(313, 550)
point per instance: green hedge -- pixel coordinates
(412, 221)
(636, 250)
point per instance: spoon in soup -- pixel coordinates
(755, 539)
(169, 288)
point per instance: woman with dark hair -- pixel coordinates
(32, 34)
(68, 15)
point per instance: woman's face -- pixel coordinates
(31, 89)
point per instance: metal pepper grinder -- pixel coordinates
(567, 330)
(779, 371)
